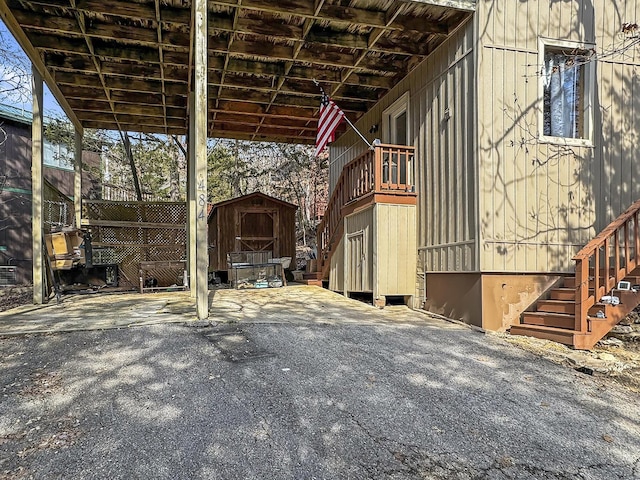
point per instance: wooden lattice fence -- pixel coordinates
(127, 233)
(57, 208)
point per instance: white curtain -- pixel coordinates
(562, 84)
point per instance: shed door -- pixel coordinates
(356, 262)
(257, 231)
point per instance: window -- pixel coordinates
(56, 155)
(396, 167)
(566, 91)
(395, 122)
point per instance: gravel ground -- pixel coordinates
(11, 297)
(304, 400)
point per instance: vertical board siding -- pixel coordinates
(223, 227)
(540, 203)
(336, 272)
(363, 222)
(396, 244)
(444, 166)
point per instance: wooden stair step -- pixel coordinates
(312, 276)
(560, 335)
(563, 294)
(547, 319)
(312, 281)
(557, 306)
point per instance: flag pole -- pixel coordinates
(346, 119)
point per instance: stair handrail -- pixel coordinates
(362, 176)
(584, 298)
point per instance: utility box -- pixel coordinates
(8, 275)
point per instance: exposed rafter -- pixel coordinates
(128, 64)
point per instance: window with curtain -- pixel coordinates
(564, 75)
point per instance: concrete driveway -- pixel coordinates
(305, 385)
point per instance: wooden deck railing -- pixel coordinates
(385, 169)
(606, 260)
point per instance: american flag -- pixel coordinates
(330, 117)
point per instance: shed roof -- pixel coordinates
(255, 194)
(122, 64)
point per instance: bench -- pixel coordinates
(149, 267)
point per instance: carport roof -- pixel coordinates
(123, 64)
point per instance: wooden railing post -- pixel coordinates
(377, 169)
(626, 248)
(596, 273)
(616, 242)
(582, 293)
(636, 240)
(607, 265)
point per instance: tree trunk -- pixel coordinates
(127, 148)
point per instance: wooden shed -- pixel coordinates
(254, 222)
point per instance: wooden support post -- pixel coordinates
(346, 275)
(37, 136)
(192, 264)
(378, 300)
(200, 154)
(77, 179)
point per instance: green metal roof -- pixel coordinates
(16, 114)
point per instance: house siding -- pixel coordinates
(539, 203)
(394, 262)
(444, 166)
(362, 222)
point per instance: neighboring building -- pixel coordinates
(15, 190)
(524, 127)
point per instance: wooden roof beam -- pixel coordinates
(230, 40)
(250, 123)
(252, 96)
(464, 5)
(277, 69)
(374, 36)
(258, 109)
(92, 112)
(81, 23)
(264, 130)
(346, 15)
(136, 127)
(135, 10)
(124, 34)
(161, 57)
(213, 133)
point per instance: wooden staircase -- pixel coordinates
(382, 175)
(574, 313)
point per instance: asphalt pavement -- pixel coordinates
(394, 396)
